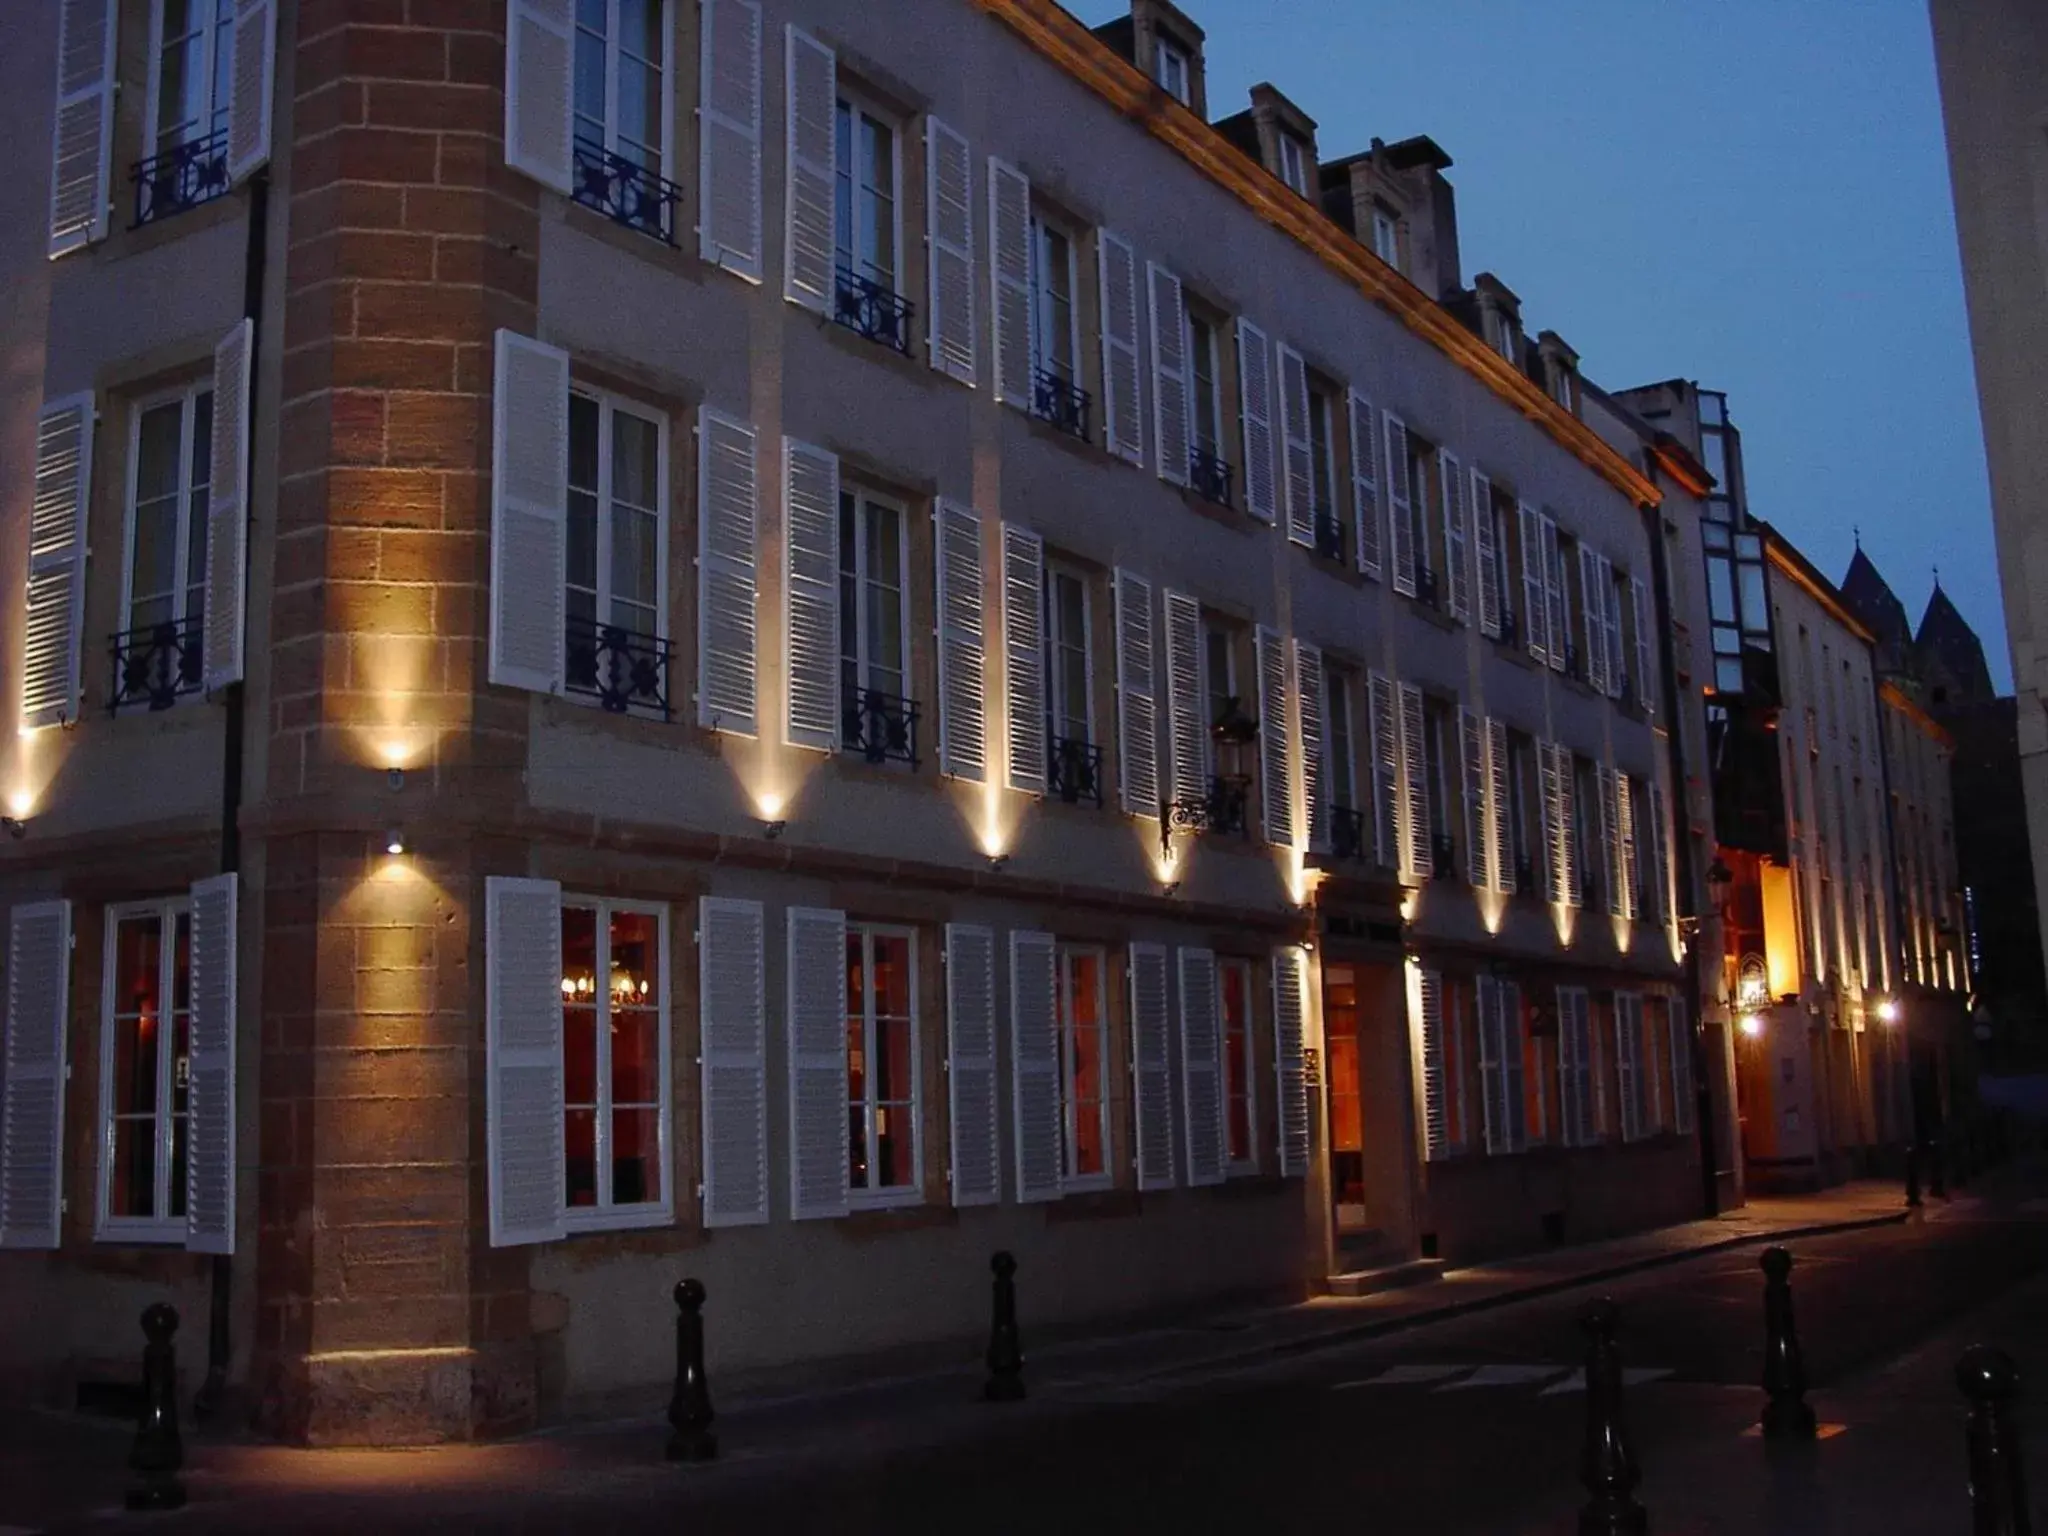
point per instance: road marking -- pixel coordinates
(1403, 1376)
(1503, 1376)
(1631, 1376)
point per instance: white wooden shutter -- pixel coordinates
(1593, 628)
(1661, 833)
(255, 84)
(1607, 839)
(1487, 551)
(1624, 838)
(1276, 780)
(523, 1045)
(1137, 704)
(1255, 413)
(1617, 662)
(1151, 1066)
(1035, 1064)
(1513, 1085)
(971, 1064)
(1365, 494)
(54, 635)
(1557, 618)
(1457, 553)
(963, 643)
(1568, 872)
(1628, 1062)
(1171, 409)
(1024, 656)
(727, 581)
(1478, 846)
(227, 508)
(1551, 853)
(32, 1074)
(817, 1063)
(1500, 807)
(1308, 691)
(733, 1055)
(84, 137)
(1493, 1109)
(949, 228)
(1123, 415)
(1646, 654)
(1535, 622)
(1415, 775)
(529, 513)
(1009, 273)
(1436, 1119)
(1186, 703)
(810, 593)
(539, 71)
(1682, 1089)
(1201, 1062)
(1298, 455)
(811, 102)
(1386, 770)
(210, 1101)
(1290, 1009)
(729, 136)
(1400, 505)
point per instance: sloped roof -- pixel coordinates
(1870, 596)
(1948, 643)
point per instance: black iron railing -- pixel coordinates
(1348, 839)
(1572, 669)
(1222, 809)
(1074, 770)
(1209, 476)
(626, 672)
(1055, 400)
(872, 310)
(156, 663)
(1425, 586)
(180, 178)
(625, 191)
(1443, 857)
(879, 726)
(1329, 535)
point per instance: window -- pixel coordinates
(1329, 527)
(1386, 236)
(1219, 670)
(1240, 1120)
(617, 551)
(1170, 69)
(1056, 321)
(883, 1141)
(1076, 763)
(874, 639)
(1084, 1057)
(144, 1071)
(1560, 383)
(1589, 855)
(1523, 790)
(1428, 528)
(1294, 163)
(867, 182)
(185, 152)
(1208, 422)
(1340, 764)
(1500, 333)
(157, 656)
(1446, 791)
(615, 1062)
(621, 116)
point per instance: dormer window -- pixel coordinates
(1386, 237)
(1561, 384)
(1294, 163)
(1500, 334)
(1171, 70)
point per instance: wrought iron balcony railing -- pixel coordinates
(1055, 400)
(181, 177)
(1209, 476)
(626, 192)
(872, 310)
(1426, 587)
(1074, 770)
(1329, 535)
(156, 663)
(879, 726)
(1222, 809)
(1348, 838)
(1443, 857)
(626, 672)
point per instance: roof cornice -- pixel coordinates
(1817, 586)
(1906, 705)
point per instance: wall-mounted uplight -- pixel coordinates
(17, 826)
(1751, 1024)
(996, 861)
(1888, 1011)
(395, 777)
(773, 829)
(1169, 887)
(394, 841)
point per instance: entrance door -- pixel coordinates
(1341, 1071)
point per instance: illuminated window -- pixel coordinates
(1240, 1121)
(144, 1071)
(1084, 1067)
(615, 1063)
(883, 1140)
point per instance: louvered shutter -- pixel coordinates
(729, 135)
(1628, 1063)
(84, 136)
(1557, 618)
(1607, 840)
(1009, 273)
(1646, 658)
(1626, 901)
(1682, 1089)
(1457, 554)
(1201, 1062)
(1290, 1008)
(971, 1064)
(810, 593)
(811, 99)
(1187, 725)
(1400, 505)
(1035, 1064)
(1365, 494)
(818, 1094)
(1535, 623)
(727, 582)
(32, 1074)
(733, 1055)
(963, 706)
(1137, 705)
(1170, 381)
(1415, 775)
(1276, 781)
(1308, 691)
(1123, 414)
(1593, 628)
(523, 1044)
(1472, 744)
(1255, 412)
(253, 87)
(1299, 485)
(1151, 1066)
(1513, 1082)
(949, 227)
(1386, 770)
(1568, 872)
(1024, 658)
(1493, 1107)
(1568, 1058)
(1486, 548)
(529, 513)
(210, 1099)
(1617, 660)
(1500, 807)
(539, 55)
(1553, 855)
(1660, 833)
(1575, 1066)
(1436, 1118)
(227, 509)
(56, 563)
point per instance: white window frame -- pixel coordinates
(1057, 706)
(1247, 1165)
(1041, 302)
(1386, 236)
(607, 1215)
(1172, 69)
(911, 1193)
(1203, 344)
(1330, 410)
(1209, 690)
(863, 498)
(608, 406)
(217, 31)
(187, 398)
(1340, 772)
(1064, 957)
(666, 152)
(1293, 162)
(161, 1227)
(857, 104)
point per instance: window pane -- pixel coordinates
(157, 451)
(590, 92)
(639, 136)
(579, 1144)
(1085, 1063)
(849, 588)
(1237, 1061)
(636, 1156)
(137, 1047)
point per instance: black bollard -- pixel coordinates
(689, 1411)
(1998, 1479)
(1005, 1348)
(159, 1450)
(1608, 1468)
(1913, 1175)
(1786, 1413)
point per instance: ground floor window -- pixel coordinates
(145, 1070)
(1234, 979)
(615, 1059)
(881, 1061)
(1084, 1057)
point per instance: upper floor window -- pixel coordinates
(1589, 855)
(1076, 763)
(1446, 792)
(145, 1049)
(1240, 1120)
(874, 635)
(620, 114)
(1170, 69)
(1056, 320)
(192, 61)
(1501, 333)
(617, 647)
(1386, 236)
(1219, 670)
(615, 1062)
(157, 654)
(1084, 1059)
(883, 1141)
(1323, 411)
(869, 226)
(1524, 788)
(1340, 759)
(1209, 468)
(1294, 163)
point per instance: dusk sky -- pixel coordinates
(1749, 193)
